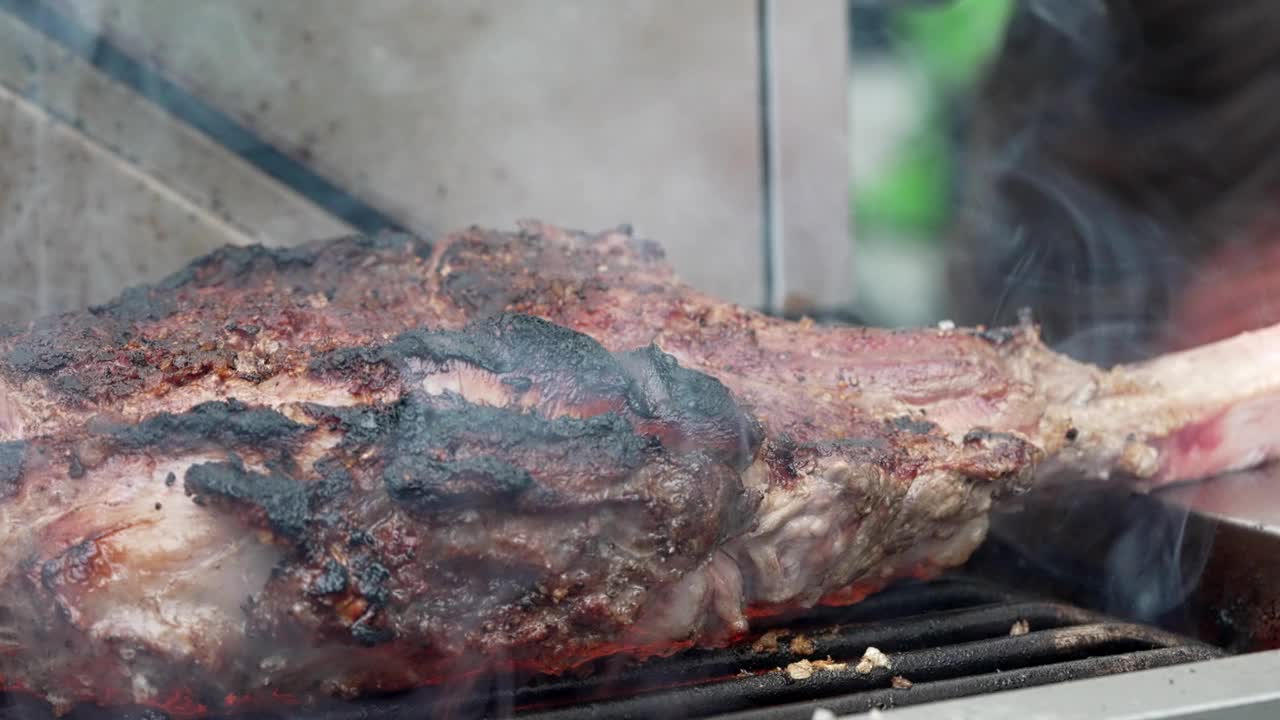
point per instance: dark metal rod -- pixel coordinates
(771, 209)
(1026, 661)
(920, 693)
(191, 110)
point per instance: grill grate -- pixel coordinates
(950, 638)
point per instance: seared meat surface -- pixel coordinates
(374, 463)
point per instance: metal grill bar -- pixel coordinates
(927, 651)
(885, 698)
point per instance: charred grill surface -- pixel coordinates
(372, 464)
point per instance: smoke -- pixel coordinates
(1114, 149)
(1154, 564)
(1132, 556)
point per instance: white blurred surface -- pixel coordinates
(580, 113)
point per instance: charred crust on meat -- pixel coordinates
(73, 565)
(75, 468)
(659, 382)
(371, 580)
(1072, 434)
(228, 423)
(662, 389)
(232, 263)
(249, 329)
(361, 425)
(500, 345)
(363, 632)
(37, 355)
(488, 272)
(524, 351)
(12, 455)
(387, 240)
(906, 423)
(998, 336)
(282, 500)
(424, 466)
(519, 384)
(136, 304)
(332, 580)
(421, 425)
(982, 435)
(438, 484)
(70, 384)
(335, 481)
(170, 480)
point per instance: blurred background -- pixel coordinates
(1105, 163)
(137, 134)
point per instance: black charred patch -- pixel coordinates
(998, 336)
(228, 424)
(249, 329)
(282, 500)
(371, 581)
(360, 425)
(1072, 434)
(75, 468)
(232, 265)
(440, 484)
(388, 240)
(697, 404)
(74, 565)
(485, 269)
(37, 355)
(660, 386)
(136, 305)
(70, 384)
(520, 384)
(982, 435)
(423, 427)
(12, 455)
(458, 455)
(364, 632)
(695, 410)
(335, 481)
(853, 444)
(333, 579)
(504, 344)
(906, 423)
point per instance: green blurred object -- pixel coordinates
(948, 46)
(952, 43)
(912, 195)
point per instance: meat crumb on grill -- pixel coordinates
(768, 642)
(804, 669)
(1022, 627)
(900, 683)
(802, 645)
(872, 659)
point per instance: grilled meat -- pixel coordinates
(377, 462)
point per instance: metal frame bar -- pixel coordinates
(1243, 687)
(770, 204)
